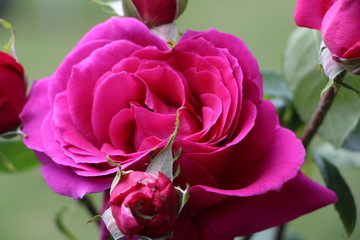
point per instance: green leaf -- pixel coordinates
(164, 160)
(302, 75)
(111, 226)
(15, 157)
(352, 141)
(275, 87)
(345, 205)
(60, 224)
(340, 157)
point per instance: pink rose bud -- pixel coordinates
(155, 12)
(12, 92)
(143, 204)
(338, 21)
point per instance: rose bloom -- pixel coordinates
(338, 21)
(12, 92)
(117, 94)
(144, 204)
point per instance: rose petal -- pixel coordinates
(128, 29)
(114, 93)
(339, 30)
(252, 214)
(237, 49)
(33, 114)
(85, 76)
(310, 13)
(79, 186)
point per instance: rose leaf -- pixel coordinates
(15, 157)
(345, 206)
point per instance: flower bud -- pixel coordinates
(339, 24)
(154, 12)
(12, 92)
(143, 204)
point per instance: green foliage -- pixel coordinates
(306, 81)
(345, 205)
(15, 157)
(276, 90)
(352, 142)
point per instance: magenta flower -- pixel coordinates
(117, 94)
(12, 92)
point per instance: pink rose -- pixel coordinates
(144, 204)
(12, 92)
(338, 21)
(155, 12)
(117, 93)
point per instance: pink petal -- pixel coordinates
(353, 52)
(247, 215)
(310, 13)
(340, 28)
(34, 113)
(59, 80)
(71, 184)
(128, 29)
(237, 49)
(85, 76)
(114, 93)
(165, 84)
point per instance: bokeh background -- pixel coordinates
(46, 31)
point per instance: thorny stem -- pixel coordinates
(318, 117)
(313, 125)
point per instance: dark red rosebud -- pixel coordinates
(12, 92)
(155, 12)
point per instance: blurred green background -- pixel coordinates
(46, 31)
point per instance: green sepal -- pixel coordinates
(345, 206)
(329, 85)
(60, 223)
(183, 196)
(112, 7)
(164, 160)
(111, 226)
(94, 219)
(118, 175)
(130, 9)
(9, 47)
(180, 7)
